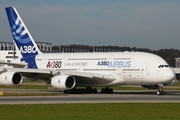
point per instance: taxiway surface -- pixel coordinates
(120, 96)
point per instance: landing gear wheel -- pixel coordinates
(79, 91)
(110, 90)
(94, 90)
(160, 92)
(106, 90)
(102, 90)
(65, 91)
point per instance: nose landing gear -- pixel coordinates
(160, 90)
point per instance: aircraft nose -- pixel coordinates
(170, 75)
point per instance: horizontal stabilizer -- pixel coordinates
(15, 64)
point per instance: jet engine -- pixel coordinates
(11, 78)
(64, 82)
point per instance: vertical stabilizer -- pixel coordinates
(21, 36)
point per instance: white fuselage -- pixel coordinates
(127, 67)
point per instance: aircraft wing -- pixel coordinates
(88, 78)
(82, 78)
(15, 64)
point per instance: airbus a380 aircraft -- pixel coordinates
(69, 70)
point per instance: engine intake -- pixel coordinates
(64, 82)
(11, 78)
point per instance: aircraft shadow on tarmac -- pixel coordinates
(128, 92)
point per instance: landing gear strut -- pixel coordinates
(160, 90)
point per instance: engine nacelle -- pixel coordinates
(11, 78)
(64, 82)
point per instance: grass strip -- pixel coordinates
(104, 111)
(27, 86)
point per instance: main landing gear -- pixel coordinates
(160, 90)
(87, 90)
(106, 90)
(80, 90)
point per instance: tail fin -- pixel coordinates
(21, 36)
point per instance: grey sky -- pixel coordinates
(153, 24)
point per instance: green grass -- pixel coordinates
(108, 111)
(176, 84)
(27, 86)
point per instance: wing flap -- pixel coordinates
(84, 78)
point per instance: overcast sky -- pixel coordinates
(153, 24)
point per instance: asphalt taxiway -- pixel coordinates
(119, 96)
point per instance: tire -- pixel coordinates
(158, 92)
(102, 90)
(94, 90)
(162, 92)
(110, 90)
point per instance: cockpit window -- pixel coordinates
(166, 66)
(161, 66)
